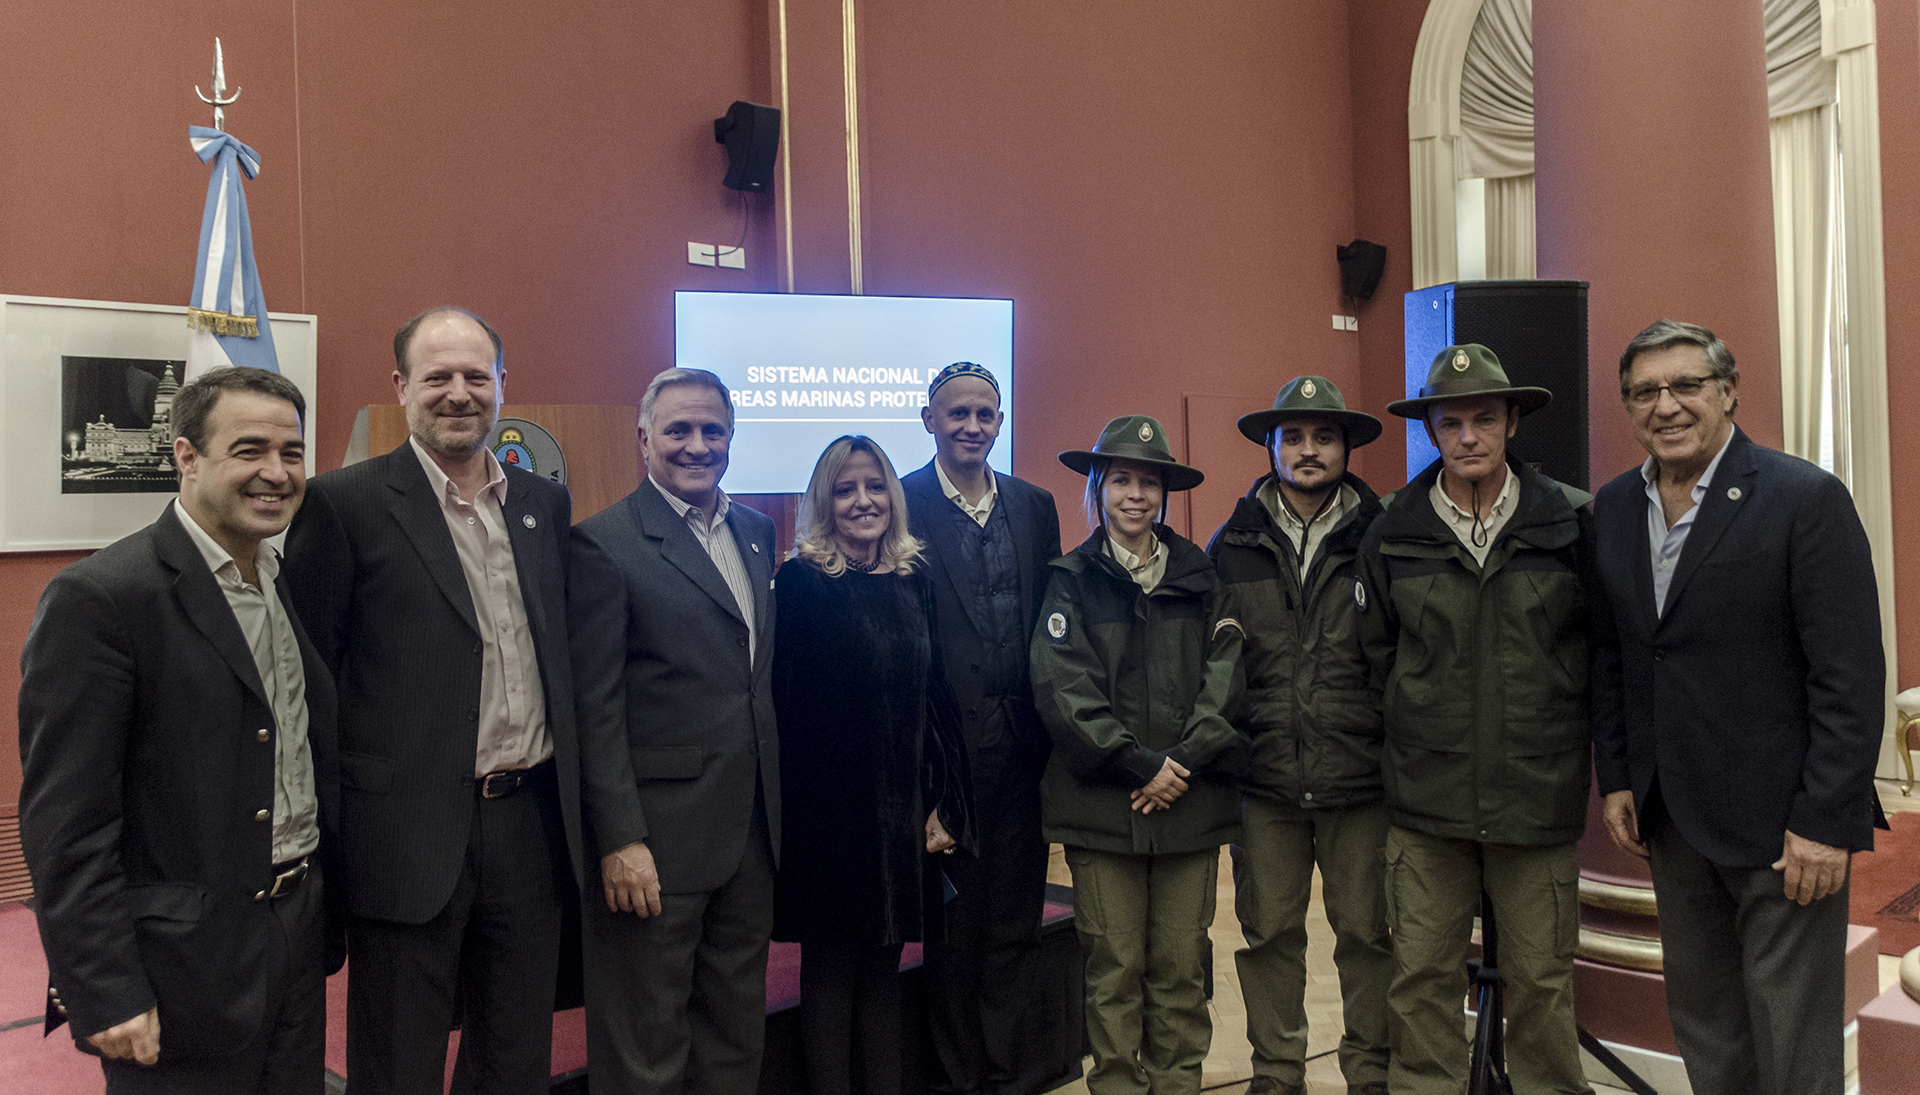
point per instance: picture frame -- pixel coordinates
(77, 395)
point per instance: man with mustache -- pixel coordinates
(1474, 614)
(671, 606)
(1312, 796)
(434, 583)
(177, 731)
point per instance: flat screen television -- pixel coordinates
(806, 368)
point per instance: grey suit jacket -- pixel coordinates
(676, 721)
(140, 715)
(377, 579)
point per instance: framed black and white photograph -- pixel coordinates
(86, 431)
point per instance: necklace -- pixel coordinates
(862, 568)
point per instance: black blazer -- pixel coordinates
(962, 638)
(140, 714)
(1757, 698)
(676, 721)
(377, 579)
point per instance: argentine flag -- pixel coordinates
(227, 313)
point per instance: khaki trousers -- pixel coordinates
(1142, 920)
(1273, 881)
(1433, 893)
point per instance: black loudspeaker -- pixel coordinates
(751, 133)
(1360, 265)
(1538, 329)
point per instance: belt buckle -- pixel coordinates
(500, 784)
(285, 881)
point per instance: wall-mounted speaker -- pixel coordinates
(751, 133)
(1538, 329)
(1361, 263)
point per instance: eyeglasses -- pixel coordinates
(1682, 387)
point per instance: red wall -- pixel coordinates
(1898, 52)
(1160, 193)
(1159, 190)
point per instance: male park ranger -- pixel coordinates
(1476, 626)
(1286, 559)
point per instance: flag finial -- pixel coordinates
(220, 97)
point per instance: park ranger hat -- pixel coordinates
(1462, 372)
(1136, 437)
(1311, 397)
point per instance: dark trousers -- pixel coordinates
(288, 1055)
(979, 981)
(677, 1001)
(1756, 984)
(496, 944)
(850, 1018)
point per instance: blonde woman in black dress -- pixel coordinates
(871, 770)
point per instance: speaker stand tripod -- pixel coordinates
(1487, 1074)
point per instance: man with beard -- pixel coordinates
(433, 582)
(1312, 796)
(989, 539)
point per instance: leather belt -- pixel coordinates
(287, 877)
(508, 780)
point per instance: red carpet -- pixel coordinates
(1886, 885)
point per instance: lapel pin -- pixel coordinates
(528, 521)
(1733, 494)
(755, 547)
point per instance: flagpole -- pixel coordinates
(227, 314)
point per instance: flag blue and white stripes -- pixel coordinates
(227, 313)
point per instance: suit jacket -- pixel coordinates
(140, 716)
(963, 637)
(377, 579)
(1756, 699)
(676, 720)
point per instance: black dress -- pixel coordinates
(868, 747)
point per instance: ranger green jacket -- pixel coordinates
(1125, 679)
(1315, 725)
(1483, 670)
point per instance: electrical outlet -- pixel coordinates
(1339, 323)
(1353, 323)
(732, 257)
(700, 254)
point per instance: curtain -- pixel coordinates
(1812, 353)
(1496, 130)
(1510, 226)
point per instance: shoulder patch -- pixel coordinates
(1359, 595)
(1226, 622)
(1057, 627)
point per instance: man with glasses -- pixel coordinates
(1738, 683)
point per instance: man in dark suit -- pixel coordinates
(990, 538)
(671, 610)
(1737, 694)
(177, 733)
(434, 583)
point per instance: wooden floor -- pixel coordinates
(1228, 1066)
